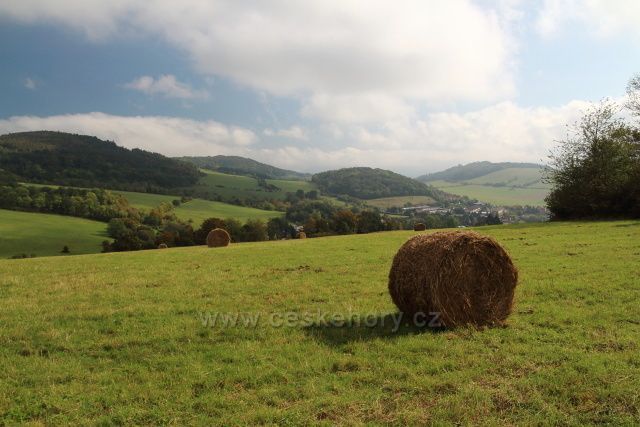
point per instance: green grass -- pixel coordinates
(244, 187)
(507, 187)
(45, 235)
(501, 196)
(145, 201)
(400, 201)
(526, 177)
(117, 339)
(197, 209)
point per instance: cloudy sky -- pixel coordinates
(409, 85)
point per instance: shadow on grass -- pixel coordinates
(634, 224)
(390, 326)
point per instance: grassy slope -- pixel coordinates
(507, 196)
(44, 235)
(246, 187)
(529, 177)
(530, 190)
(197, 209)
(116, 337)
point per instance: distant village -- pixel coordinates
(475, 212)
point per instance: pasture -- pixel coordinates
(46, 234)
(500, 196)
(245, 187)
(150, 338)
(198, 210)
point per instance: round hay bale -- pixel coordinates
(464, 277)
(302, 235)
(162, 246)
(419, 227)
(217, 238)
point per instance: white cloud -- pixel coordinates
(432, 51)
(294, 132)
(360, 108)
(30, 83)
(166, 85)
(363, 69)
(167, 135)
(502, 132)
(599, 18)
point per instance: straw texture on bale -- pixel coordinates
(218, 237)
(419, 227)
(302, 235)
(466, 277)
(162, 246)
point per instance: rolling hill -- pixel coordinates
(149, 338)
(368, 183)
(505, 184)
(229, 188)
(236, 165)
(473, 170)
(86, 161)
(65, 159)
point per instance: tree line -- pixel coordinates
(96, 204)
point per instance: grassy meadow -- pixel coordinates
(506, 187)
(245, 187)
(502, 196)
(198, 210)
(45, 234)
(119, 338)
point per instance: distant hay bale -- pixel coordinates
(467, 278)
(302, 235)
(419, 227)
(162, 246)
(217, 238)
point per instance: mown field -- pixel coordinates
(525, 177)
(500, 196)
(46, 235)
(198, 210)
(506, 187)
(119, 339)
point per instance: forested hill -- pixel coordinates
(368, 183)
(86, 161)
(474, 170)
(236, 165)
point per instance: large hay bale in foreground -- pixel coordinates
(302, 235)
(467, 278)
(419, 227)
(218, 237)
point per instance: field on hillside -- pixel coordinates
(501, 196)
(139, 338)
(389, 202)
(526, 177)
(46, 235)
(197, 209)
(244, 187)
